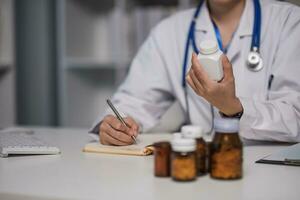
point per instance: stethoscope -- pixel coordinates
(254, 61)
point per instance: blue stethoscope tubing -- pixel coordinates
(254, 50)
(190, 39)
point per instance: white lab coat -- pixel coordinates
(154, 79)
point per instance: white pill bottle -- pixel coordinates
(211, 60)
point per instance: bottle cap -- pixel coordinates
(208, 47)
(177, 136)
(183, 144)
(192, 131)
(228, 125)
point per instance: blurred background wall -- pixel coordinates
(60, 59)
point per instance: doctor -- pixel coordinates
(261, 62)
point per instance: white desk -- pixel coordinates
(78, 175)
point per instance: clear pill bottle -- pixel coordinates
(183, 159)
(196, 132)
(210, 59)
(162, 154)
(226, 150)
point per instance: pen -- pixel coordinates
(270, 81)
(119, 117)
(295, 162)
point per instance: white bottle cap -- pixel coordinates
(208, 47)
(183, 145)
(192, 131)
(177, 136)
(226, 125)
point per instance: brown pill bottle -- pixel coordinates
(162, 154)
(196, 132)
(183, 159)
(226, 150)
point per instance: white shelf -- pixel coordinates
(92, 64)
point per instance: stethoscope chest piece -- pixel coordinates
(254, 61)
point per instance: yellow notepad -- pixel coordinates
(142, 148)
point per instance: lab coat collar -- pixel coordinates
(245, 28)
(203, 21)
(247, 20)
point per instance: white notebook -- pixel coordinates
(142, 148)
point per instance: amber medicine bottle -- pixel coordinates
(226, 150)
(183, 159)
(162, 152)
(196, 132)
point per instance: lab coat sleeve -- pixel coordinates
(146, 93)
(277, 118)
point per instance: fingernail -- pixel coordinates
(132, 132)
(135, 133)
